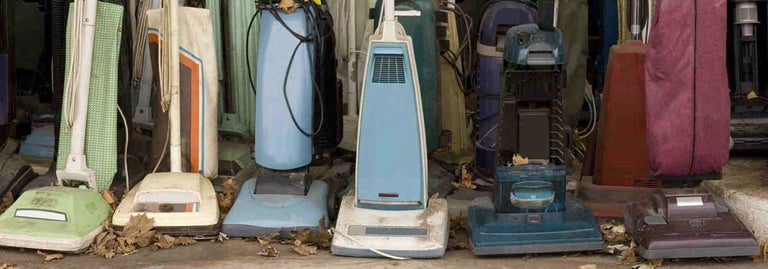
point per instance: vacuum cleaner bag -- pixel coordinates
(101, 123)
(687, 103)
(199, 90)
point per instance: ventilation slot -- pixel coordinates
(388, 69)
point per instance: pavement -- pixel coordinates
(744, 188)
(237, 253)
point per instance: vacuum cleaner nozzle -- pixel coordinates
(54, 218)
(182, 204)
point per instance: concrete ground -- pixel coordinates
(744, 187)
(241, 254)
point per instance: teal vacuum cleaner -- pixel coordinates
(283, 197)
(531, 211)
(389, 213)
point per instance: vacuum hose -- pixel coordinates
(59, 15)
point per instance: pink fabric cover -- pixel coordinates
(687, 103)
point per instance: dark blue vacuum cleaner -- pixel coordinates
(500, 16)
(530, 211)
(283, 197)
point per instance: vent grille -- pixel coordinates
(388, 69)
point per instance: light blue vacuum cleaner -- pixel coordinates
(389, 213)
(282, 197)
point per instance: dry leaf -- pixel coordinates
(6, 202)
(304, 250)
(628, 256)
(465, 179)
(226, 198)
(643, 266)
(50, 257)
(105, 244)
(656, 262)
(457, 226)
(763, 256)
(588, 266)
(457, 244)
(264, 240)
(163, 241)
(518, 160)
(321, 239)
(615, 248)
(184, 241)
(221, 238)
(138, 231)
(287, 5)
(109, 198)
(136, 234)
(614, 232)
(6, 265)
(268, 251)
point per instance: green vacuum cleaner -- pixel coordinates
(63, 218)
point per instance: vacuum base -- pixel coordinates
(254, 215)
(54, 218)
(690, 225)
(493, 233)
(74, 245)
(181, 204)
(405, 233)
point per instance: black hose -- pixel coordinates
(59, 16)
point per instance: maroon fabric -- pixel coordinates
(688, 109)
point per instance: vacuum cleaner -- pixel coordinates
(530, 211)
(687, 144)
(283, 197)
(747, 44)
(620, 162)
(181, 204)
(455, 52)
(389, 213)
(427, 55)
(498, 18)
(63, 218)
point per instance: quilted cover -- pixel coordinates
(101, 123)
(687, 104)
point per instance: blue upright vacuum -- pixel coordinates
(531, 211)
(499, 17)
(283, 198)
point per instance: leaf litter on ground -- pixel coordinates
(268, 251)
(50, 257)
(456, 228)
(465, 179)
(138, 233)
(226, 198)
(320, 238)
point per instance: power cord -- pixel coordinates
(367, 247)
(314, 36)
(125, 152)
